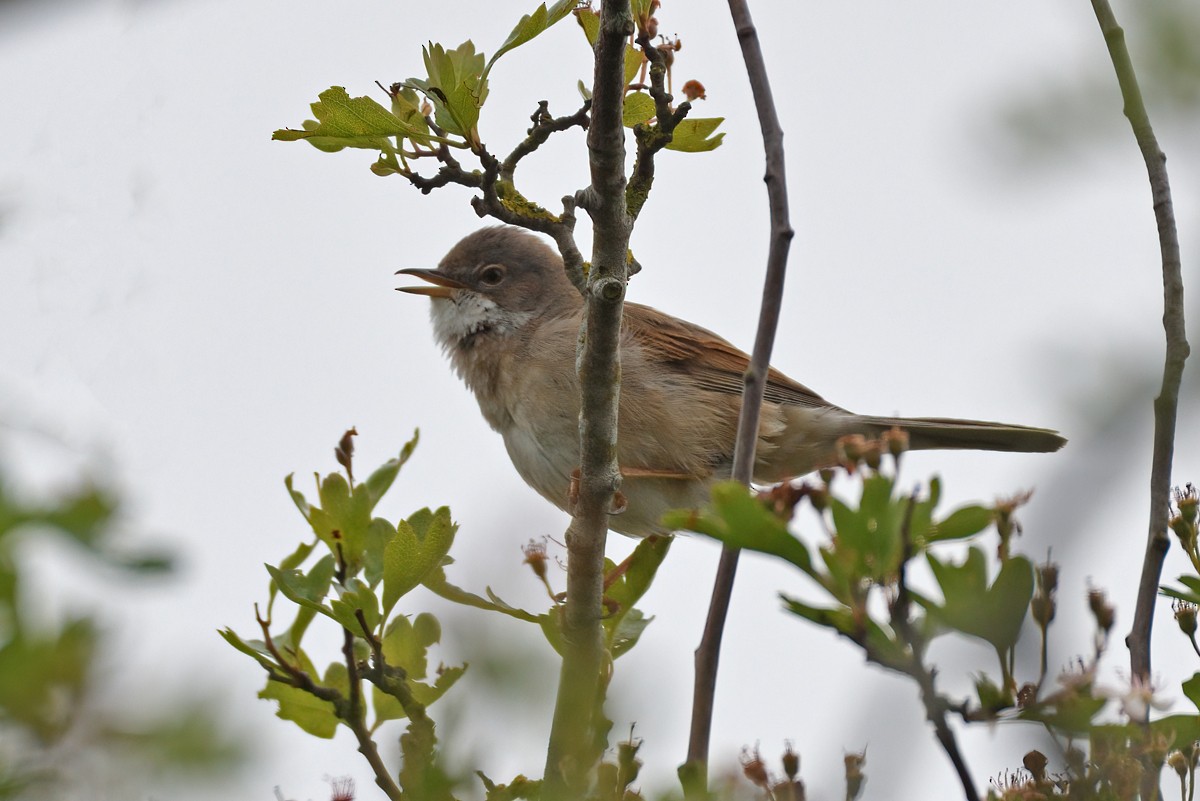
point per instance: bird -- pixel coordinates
(507, 316)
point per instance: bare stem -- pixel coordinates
(576, 736)
(1167, 402)
(708, 653)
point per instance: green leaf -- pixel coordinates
(342, 520)
(633, 63)
(626, 634)
(584, 92)
(378, 482)
(255, 649)
(693, 135)
(456, 86)
(963, 522)
(406, 643)
(306, 589)
(1177, 729)
(740, 520)
(406, 105)
(532, 25)
(639, 108)
(589, 22)
(628, 589)
(1181, 595)
(420, 544)
(1073, 712)
(867, 542)
(994, 613)
(379, 534)
(356, 597)
(388, 707)
(426, 694)
(881, 645)
(302, 708)
(297, 496)
(437, 583)
(343, 121)
(1191, 689)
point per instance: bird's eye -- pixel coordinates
(491, 275)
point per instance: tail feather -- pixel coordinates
(943, 432)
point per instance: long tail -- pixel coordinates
(943, 432)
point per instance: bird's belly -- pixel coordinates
(548, 471)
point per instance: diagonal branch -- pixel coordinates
(708, 653)
(1167, 402)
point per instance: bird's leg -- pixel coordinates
(646, 472)
(614, 575)
(573, 490)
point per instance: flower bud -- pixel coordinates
(819, 497)
(1047, 576)
(535, 557)
(854, 774)
(1035, 763)
(791, 762)
(872, 454)
(694, 90)
(1185, 530)
(895, 440)
(1185, 616)
(1102, 610)
(755, 769)
(1042, 608)
(1178, 763)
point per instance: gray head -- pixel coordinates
(492, 283)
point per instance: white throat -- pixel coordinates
(467, 314)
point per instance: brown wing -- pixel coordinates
(712, 362)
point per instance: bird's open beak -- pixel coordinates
(443, 286)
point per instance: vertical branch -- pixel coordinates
(576, 738)
(1167, 402)
(708, 652)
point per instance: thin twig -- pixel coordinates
(652, 138)
(576, 740)
(708, 653)
(544, 124)
(1167, 402)
(935, 704)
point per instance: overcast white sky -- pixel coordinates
(198, 311)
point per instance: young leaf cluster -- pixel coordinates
(861, 570)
